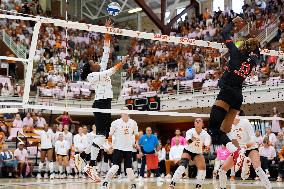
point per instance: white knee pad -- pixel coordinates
(60, 167)
(130, 174)
(47, 165)
(68, 169)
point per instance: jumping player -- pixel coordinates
(197, 138)
(229, 99)
(243, 132)
(122, 130)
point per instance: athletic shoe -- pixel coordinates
(133, 186)
(38, 176)
(57, 176)
(279, 179)
(168, 176)
(61, 176)
(162, 175)
(46, 176)
(246, 168)
(215, 174)
(185, 177)
(70, 177)
(172, 185)
(76, 176)
(232, 178)
(104, 185)
(91, 173)
(52, 176)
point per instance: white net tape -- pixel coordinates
(116, 31)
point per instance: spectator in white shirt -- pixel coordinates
(18, 123)
(21, 155)
(267, 154)
(40, 121)
(175, 155)
(162, 160)
(28, 121)
(271, 136)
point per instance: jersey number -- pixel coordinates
(126, 131)
(244, 70)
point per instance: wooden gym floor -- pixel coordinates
(122, 184)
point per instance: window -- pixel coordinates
(237, 6)
(218, 3)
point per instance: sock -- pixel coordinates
(112, 171)
(231, 147)
(135, 166)
(263, 178)
(51, 167)
(55, 168)
(60, 167)
(68, 170)
(40, 167)
(178, 173)
(94, 153)
(223, 178)
(47, 166)
(201, 174)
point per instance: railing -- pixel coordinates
(243, 32)
(19, 50)
(268, 33)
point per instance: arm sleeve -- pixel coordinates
(112, 128)
(75, 142)
(105, 57)
(135, 129)
(226, 35)
(140, 141)
(171, 154)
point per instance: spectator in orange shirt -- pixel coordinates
(206, 14)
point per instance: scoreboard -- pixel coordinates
(143, 104)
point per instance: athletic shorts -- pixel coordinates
(119, 155)
(231, 96)
(191, 154)
(248, 151)
(45, 150)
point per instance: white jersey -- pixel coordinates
(80, 142)
(243, 133)
(202, 139)
(46, 138)
(91, 136)
(62, 147)
(101, 83)
(68, 137)
(123, 133)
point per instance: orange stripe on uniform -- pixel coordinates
(228, 41)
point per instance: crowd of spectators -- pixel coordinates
(168, 150)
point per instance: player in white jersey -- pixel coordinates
(46, 150)
(80, 144)
(243, 132)
(122, 130)
(197, 138)
(62, 147)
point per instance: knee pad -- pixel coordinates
(130, 174)
(184, 162)
(201, 174)
(51, 167)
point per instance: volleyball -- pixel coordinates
(113, 9)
